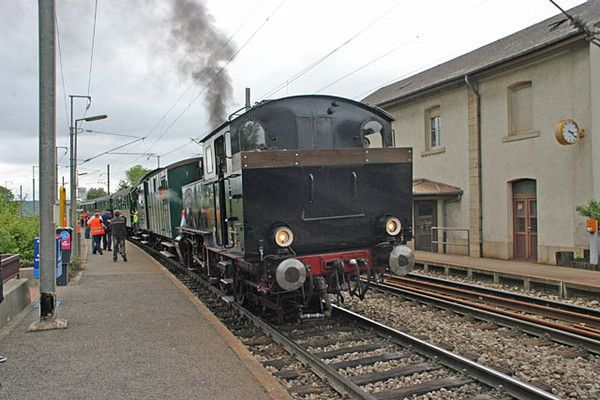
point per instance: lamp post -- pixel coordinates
(73, 218)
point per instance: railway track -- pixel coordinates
(351, 356)
(563, 323)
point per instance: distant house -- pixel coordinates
(482, 127)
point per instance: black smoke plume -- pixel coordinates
(201, 52)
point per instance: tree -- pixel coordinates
(135, 174)
(94, 193)
(17, 233)
(592, 210)
(122, 185)
(6, 196)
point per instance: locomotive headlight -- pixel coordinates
(283, 236)
(393, 226)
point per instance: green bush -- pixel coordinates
(17, 232)
(591, 210)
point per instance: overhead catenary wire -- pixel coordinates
(93, 43)
(177, 148)
(62, 72)
(328, 54)
(111, 133)
(113, 149)
(461, 14)
(201, 92)
(579, 24)
(192, 82)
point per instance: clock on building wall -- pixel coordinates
(567, 132)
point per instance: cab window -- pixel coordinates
(252, 136)
(372, 134)
(209, 160)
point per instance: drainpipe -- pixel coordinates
(479, 177)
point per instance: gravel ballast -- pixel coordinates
(565, 371)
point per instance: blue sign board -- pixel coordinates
(36, 258)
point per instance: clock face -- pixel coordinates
(570, 132)
(567, 132)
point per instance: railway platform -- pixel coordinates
(564, 281)
(133, 332)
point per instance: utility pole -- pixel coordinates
(33, 187)
(108, 178)
(21, 200)
(47, 113)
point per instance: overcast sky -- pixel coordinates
(136, 76)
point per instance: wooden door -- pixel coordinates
(525, 220)
(425, 218)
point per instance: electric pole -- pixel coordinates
(47, 115)
(108, 178)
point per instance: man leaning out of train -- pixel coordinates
(118, 226)
(97, 231)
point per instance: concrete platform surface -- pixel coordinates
(132, 334)
(573, 277)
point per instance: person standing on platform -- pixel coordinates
(97, 231)
(118, 226)
(135, 221)
(107, 239)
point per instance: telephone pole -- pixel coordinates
(47, 115)
(107, 178)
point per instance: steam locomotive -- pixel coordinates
(294, 199)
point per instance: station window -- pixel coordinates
(433, 128)
(252, 136)
(372, 135)
(520, 108)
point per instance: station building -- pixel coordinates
(491, 177)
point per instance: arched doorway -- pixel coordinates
(525, 219)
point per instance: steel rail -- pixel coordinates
(343, 385)
(481, 373)
(532, 328)
(339, 382)
(500, 300)
(511, 295)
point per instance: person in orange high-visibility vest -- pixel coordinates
(97, 232)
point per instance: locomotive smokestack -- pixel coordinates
(202, 51)
(248, 98)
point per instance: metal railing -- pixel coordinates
(435, 234)
(9, 267)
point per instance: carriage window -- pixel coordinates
(372, 135)
(252, 136)
(209, 160)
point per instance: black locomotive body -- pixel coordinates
(300, 196)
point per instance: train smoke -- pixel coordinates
(202, 51)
